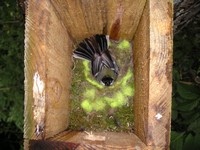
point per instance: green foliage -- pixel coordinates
(186, 89)
(11, 66)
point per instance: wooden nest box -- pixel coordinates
(52, 29)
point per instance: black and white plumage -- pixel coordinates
(103, 66)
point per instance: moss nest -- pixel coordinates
(99, 108)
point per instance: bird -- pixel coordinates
(103, 65)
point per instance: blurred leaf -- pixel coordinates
(192, 142)
(187, 91)
(174, 103)
(174, 114)
(176, 140)
(195, 126)
(196, 141)
(189, 116)
(176, 75)
(188, 144)
(188, 105)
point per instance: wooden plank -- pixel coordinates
(160, 94)
(153, 68)
(48, 51)
(128, 12)
(85, 18)
(101, 140)
(141, 75)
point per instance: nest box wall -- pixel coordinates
(52, 29)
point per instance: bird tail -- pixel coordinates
(87, 49)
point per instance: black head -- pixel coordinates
(107, 81)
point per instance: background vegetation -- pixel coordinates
(186, 82)
(186, 89)
(11, 75)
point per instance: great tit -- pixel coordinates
(103, 66)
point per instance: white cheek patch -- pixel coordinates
(102, 83)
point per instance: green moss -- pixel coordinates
(99, 105)
(89, 93)
(128, 91)
(124, 45)
(86, 105)
(92, 102)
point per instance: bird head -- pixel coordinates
(107, 80)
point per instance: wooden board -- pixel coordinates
(48, 62)
(153, 70)
(85, 18)
(103, 140)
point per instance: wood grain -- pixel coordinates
(84, 18)
(153, 63)
(141, 56)
(48, 51)
(111, 140)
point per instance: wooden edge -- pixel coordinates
(101, 140)
(48, 61)
(141, 56)
(74, 140)
(153, 71)
(160, 77)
